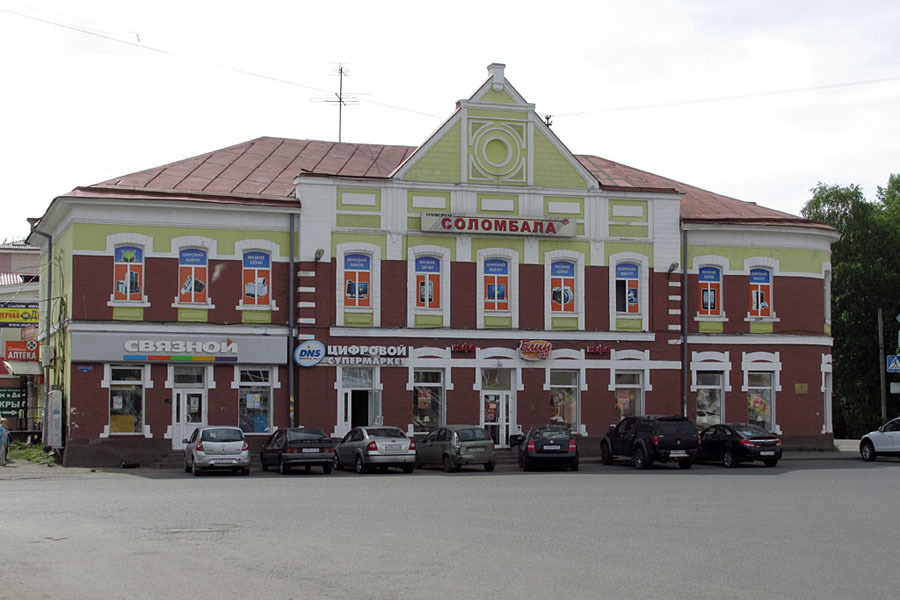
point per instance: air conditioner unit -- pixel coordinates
(48, 354)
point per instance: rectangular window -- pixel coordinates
(428, 282)
(760, 293)
(628, 394)
(562, 286)
(128, 274)
(192, 280)
(496, 284)
(709, 399)
(257, 278)
(428, 400)
(564, 398)
(710, 293)
(254, 400)
(357, 272)
(627, 284)
(759, 400)
(126, 399)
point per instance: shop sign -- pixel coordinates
(96, 346)
(178, 346)
(313, 352)
(598, 349)
(18, 314)
(11, 401)
(535, 349)
(435, 221)
(462, 348)
(22, 351)
(309, 353)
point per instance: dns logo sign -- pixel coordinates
(309, 353)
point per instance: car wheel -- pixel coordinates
(686, 463)
(327, 469)
(361, 465)
(194, 468)
(283, 468)
(490, 466)
(574, 466)
(728, 459)
(264, 464)
(639, 460)
(606, 457)
(867, 451)
(448, 464)
(409, 468)
(337, 463)
(245, 471)
(770, 462)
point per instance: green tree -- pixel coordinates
(865, 276)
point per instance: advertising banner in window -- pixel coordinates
(357, 270)
(192, 275)
(129, 273)
(257, 278)
(496, 283)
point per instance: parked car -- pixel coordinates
(884, 441)
(221, 448)
(456, 445)
(376, 447)
(734, 443)
(298, 447)
(548, 445)
(649, 439)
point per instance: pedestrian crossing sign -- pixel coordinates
(893, 363)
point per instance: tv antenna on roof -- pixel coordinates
(339, 98)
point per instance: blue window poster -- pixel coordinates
(357, 262)
(626, 271)
(709, 274)
(759, 276)
(256, 260)
(496, 267)
(562, 269)
(428, 264)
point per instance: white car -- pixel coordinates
(884, 441)
(222, 448)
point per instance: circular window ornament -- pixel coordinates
(498, 150)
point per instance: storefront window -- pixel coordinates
(709, 399)
(126, 399)
(495, 379)
(254, 400)
(358, 378)
(563, 397)
(428, 394)
(628, 395)
(189, 376)
(759, 400)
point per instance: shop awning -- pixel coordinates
(23, 367)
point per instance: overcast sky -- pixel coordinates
(756, 100)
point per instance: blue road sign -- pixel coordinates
(893, 363)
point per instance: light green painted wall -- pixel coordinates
(645, 249)
(483, 197)
(500, 97)
(789, 259)
(376, 239)
(482, 243)
(551, 169)
(431, 240)
(414, 223)
(128, 313)
(355, 319)
(429, 321)
(256, 316)
(632, 231)
(480, 113)
(762, 327)
(497, 322)
(193, 315)
(545, 246)
(62, 274)
(363, 221)
(711, 326)
(828, 329)
(442, 162)
(358, 207)
(88, 236)
(567, 199)
(629, 325)
(564, 323)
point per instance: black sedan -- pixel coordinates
(548, 445)
(298, 447)
(734, 443)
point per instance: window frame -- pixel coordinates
(442, 399)
(512, 290)
(556, 256)
(374, 307)
(108, 382)
(241, 386)
(643, 293)
(441, 258)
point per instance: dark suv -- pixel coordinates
(651, 439)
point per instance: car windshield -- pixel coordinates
(385, 432)
(676, 427)
(222, 435)
(471, 435)
(750, 430)
(305, 434)
(550, 434)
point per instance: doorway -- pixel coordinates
(495, 409)
(188, 413)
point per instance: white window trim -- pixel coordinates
(130, 239)
(721, 263)
(512, 294)
(564, 255)
(712, 362)
(443, 254)
(643, 263)
(764, 362)
(209, 376)
(342, 423)
(631, 361)
(374, 307)
(772, 266)
(272, 249)
(146, 383)
(274, 384)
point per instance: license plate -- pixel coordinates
(310, 450)
(551, 447)
(767, 453)
(223, 461)
(678, 453)
(393, 446)
(476, 449)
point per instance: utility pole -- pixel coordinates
(881, 366)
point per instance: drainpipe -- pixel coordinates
(685, 367)
(49, 239)
(292, 286)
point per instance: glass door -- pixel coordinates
(188, 413)
(495, 416)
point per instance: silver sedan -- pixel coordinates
(378, 447)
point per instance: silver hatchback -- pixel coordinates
(222, 448)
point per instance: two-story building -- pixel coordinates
(488, 276)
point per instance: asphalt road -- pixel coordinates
(819, 529)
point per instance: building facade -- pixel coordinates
(488, 276)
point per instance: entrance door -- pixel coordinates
(188, 413)
(495, 416)
(359, 408)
